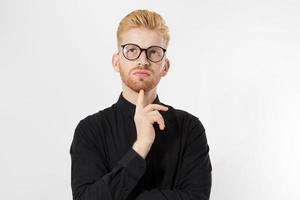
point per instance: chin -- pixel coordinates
(136, 85)
(146, 86)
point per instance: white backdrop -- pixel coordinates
(234, 64)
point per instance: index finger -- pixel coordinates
(140, 100)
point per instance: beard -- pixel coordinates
(137, 83)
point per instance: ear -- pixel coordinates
(116, 62)
(166, 67)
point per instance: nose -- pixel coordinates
(143, 60)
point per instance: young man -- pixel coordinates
(140, 148)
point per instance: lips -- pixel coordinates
(141, 72)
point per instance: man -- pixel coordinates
(140, 148)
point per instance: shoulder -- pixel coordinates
(190, 127)
(94, 122)
(184, 118)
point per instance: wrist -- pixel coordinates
(142, 148)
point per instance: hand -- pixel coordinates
(144, 119)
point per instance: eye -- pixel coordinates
(153, 51)
(132, 49)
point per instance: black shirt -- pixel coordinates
(105, 167)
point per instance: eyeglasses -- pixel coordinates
(133, 52)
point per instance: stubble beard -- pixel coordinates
(137, 83)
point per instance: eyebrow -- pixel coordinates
(142, 47)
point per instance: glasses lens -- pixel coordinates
(155, 54)
(131, 51)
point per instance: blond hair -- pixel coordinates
(144, 19)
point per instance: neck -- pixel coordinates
(131, 95)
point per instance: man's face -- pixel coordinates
(128, 69)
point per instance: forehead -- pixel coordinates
(142, 37)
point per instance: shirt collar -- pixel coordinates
(128, 107)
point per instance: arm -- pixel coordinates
(194, 181)
(90, 177)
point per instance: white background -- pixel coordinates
(234, 64)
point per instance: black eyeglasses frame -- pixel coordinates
(141, 50)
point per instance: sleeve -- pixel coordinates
(194, 182)
(90, 177)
